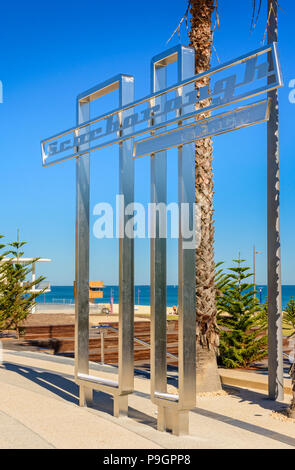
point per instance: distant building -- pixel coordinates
(36, 288)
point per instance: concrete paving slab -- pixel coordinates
(39, 396)
(14, 435)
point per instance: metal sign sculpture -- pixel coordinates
(164, 119)
(225, 90)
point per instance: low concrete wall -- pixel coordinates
(252, 380)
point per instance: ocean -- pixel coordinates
(65, 295)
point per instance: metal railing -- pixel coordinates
(71, 301)
(103, 328)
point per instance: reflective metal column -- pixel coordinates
(186, 256)
(158, 243)
(125, 384)
(173, 410)
(126, 256)
(82, 258)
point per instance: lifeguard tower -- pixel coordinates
(95, 291)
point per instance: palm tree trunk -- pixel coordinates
(275, 339)
(206, 310)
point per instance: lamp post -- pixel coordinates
(112, 301)
(254, 268)
(260, 295)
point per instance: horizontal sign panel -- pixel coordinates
(172, 108)
(237, 119)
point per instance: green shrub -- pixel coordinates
(289, 315)
(241, 319)
(16, 300)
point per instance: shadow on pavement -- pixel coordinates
(247, 426)
(55, 383)
(68, 390)
(255, 398)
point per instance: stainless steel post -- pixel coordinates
(274, 292)
(82, 259)
(173, 410)
(187, 259)
(158, 245)
(126, 256)
(102, 346)
(125, 384)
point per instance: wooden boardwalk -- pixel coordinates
(60, 339)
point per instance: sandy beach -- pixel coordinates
(67, 318)
(55, 313)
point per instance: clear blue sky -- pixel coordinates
(52, 51)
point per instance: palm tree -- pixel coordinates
(200, 36)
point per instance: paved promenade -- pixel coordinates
(39, 409)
